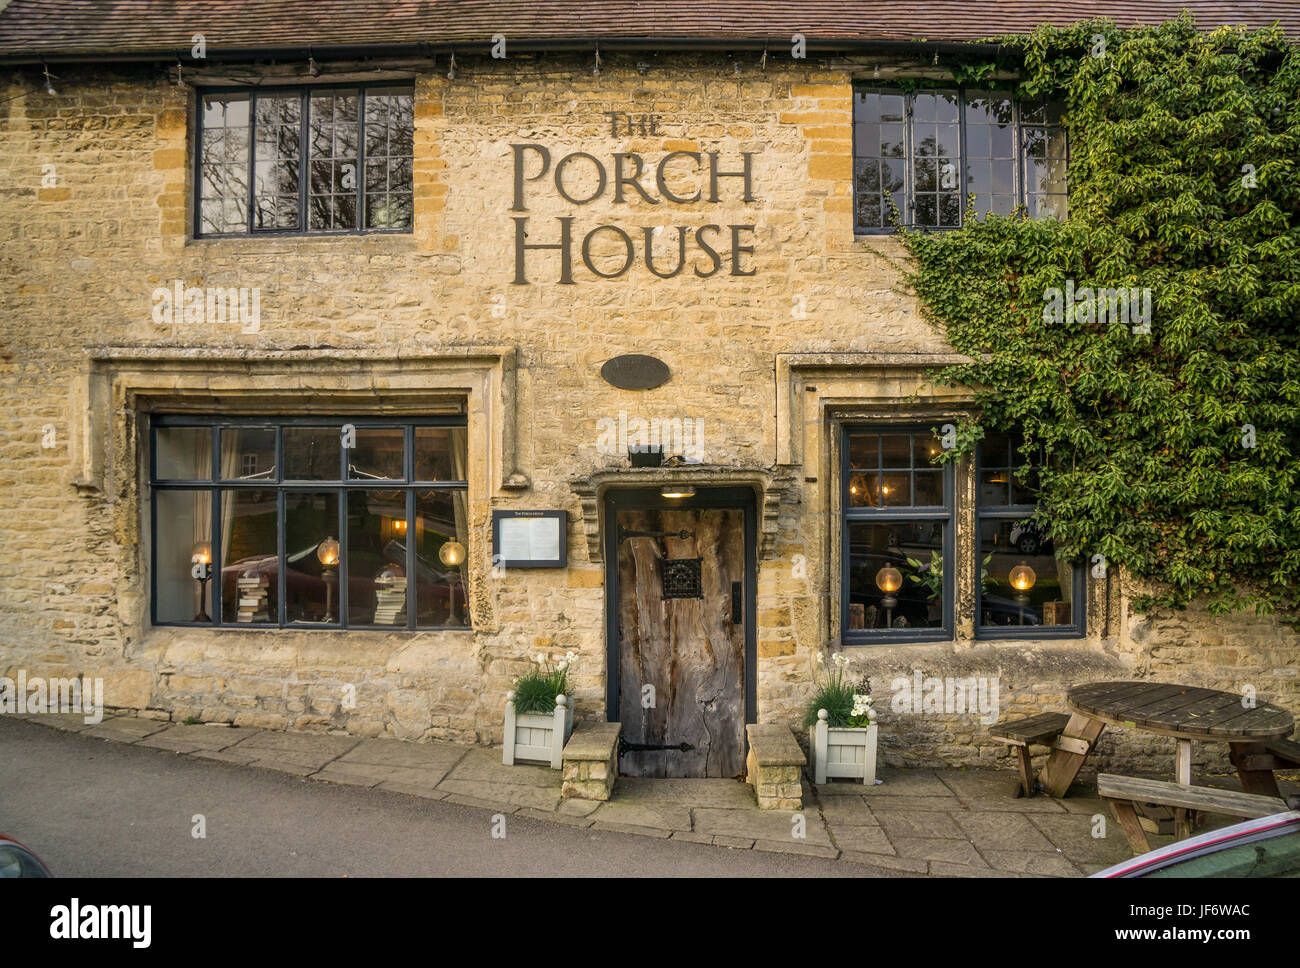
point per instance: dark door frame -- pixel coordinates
(641, 498)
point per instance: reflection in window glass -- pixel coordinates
(250, 451)
(390, 127)
(184, 453)
(332, 190)
(440, 453)
(1277, 856)
(1023, 582)
(182, 540)
(283, 553)
(441, 547)
(276, 158)
(249, 555)
(311, 532)
(377, 532)
(379, 454)
(223, 173)
(914, 552)
(312, 453)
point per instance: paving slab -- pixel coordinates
(484, 765)
(946, 869)
(631, 828)
(126, 729)
(735, 843)
(658, 815)
(578, 807)
(947, 804)
(304, 745)
(770, 825)
(949, 851)
(1031, 862)
(465, 801)
(1072, 833)
(433, 756)
(285, 766)
(869, 840)
(998, 830)
(926, 823)
(68, 722)
(412, 789)
(796, 847)
(989, 790)
(699, 792)
(691, 837)
(850, 811)
(499, 794)
(553, 817)
(180, 738)
(907, 783)
(895, 865)
(226, 756)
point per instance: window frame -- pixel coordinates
(1019, 512)
(1019, 177)
(946, 513)
(304, 91)
(282, 487)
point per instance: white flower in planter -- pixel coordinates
(840, 659)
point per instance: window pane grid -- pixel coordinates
(315, 553)
(897, 537)
(926, 151)
(1023, 587)
(267, 165)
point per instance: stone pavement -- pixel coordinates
(955, 823)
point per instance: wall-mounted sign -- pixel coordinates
(664, 251)
(530, 539)
(635, 372)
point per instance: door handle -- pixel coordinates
(737, 602)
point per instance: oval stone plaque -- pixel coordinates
(635, 372)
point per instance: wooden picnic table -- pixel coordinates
(1186, 713)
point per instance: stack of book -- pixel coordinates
(252, 592)
(390, 601)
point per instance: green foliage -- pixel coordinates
(835, 693)
(536, 691)
(1144, 433)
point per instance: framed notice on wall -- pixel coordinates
(530, 539)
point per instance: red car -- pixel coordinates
(19, 861)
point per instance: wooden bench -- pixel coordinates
(1023, 733)
(1122, 792)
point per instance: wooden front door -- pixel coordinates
(681, 639)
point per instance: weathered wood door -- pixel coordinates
(682, 640)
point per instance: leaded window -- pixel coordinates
(320, 523)
(305, 160)
(1023, 587)
(921, 153)
(898, 536)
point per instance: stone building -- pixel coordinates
(309, 308)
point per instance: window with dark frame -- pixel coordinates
(897, 537)
(323, 159)
(921, 153)
(261, 522)
(1023, 586)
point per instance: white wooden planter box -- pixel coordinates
(845, 751)
(537, 737)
